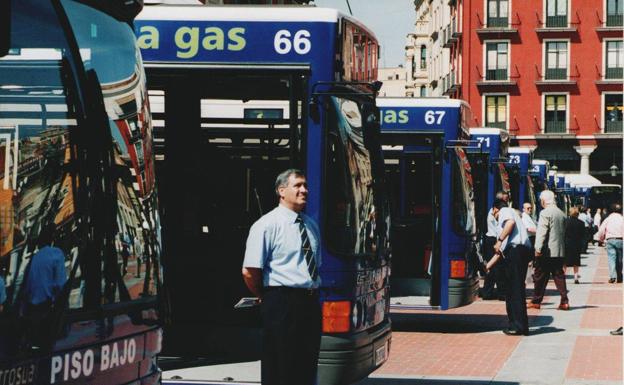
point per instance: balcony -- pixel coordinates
(611, 80)
(556, 78)
(497, 79)
(613, 127)
(557, 25)
(554, 127)
(613, 26)
(450, 34)
(501, 125)
(449, 86)
(497, 27)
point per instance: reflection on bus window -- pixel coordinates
(37, 175)
(125, 100)
(351, 214)
(462, 189)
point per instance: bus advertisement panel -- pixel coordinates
(240, 94)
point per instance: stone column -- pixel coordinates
(585, 152)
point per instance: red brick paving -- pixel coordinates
(596, 358)
(606, 318)
(605, 297)
(442, 354)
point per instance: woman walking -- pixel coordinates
(574, 237)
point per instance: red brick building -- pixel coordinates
(550, 72)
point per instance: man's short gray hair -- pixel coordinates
(282, 178)
(548, 197)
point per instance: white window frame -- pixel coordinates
(484, 107)
(603, 104)
(545, 52)
(545, 9)
(604, 56)
(485, 12)
(567, 94)
(485, 43)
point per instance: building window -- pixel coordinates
(423, 91)
(496, 61)
(615, 13)
(556, 13)
(497, 11)
(496, 111)
(555, 114)
(615, 59)
(556, 60)
(613, 113)
(423, 57)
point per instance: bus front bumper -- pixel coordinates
(344, 359)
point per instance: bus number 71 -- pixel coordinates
(430, 117)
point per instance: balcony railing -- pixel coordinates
(615, 20)
(614, 73)
(497, 22)
(498, 74)
(501, 125)
(554, 127)
(556, 21)
(556, 73)
(613, 127)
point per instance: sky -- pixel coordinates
(390, 20)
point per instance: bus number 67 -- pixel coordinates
(430, 117)
(300, 42)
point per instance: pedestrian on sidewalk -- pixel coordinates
(282, 259)
(529, 223)
(585, 217)
(495, 276)
(611, 232)
(549, 252)
(513, 245)
(574, 231)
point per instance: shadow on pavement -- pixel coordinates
(427, 381)
(545, 330)
(457, 323)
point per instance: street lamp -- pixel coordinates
(614, 170)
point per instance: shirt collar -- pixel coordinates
(288, 213)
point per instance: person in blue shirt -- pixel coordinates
(46, 275)
(281, 267)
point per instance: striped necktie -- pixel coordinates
(307, 249)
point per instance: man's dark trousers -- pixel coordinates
(516, 264)
(543, 268)
(496, 275)
(292, 336)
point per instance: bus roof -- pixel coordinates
(419, 102)
(581, 180)
(259, 13)
(540, 161)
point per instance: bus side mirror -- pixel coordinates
(371, 125)
(314, 109)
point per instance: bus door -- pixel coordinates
(222, 137)
(482, 189)
(413, 173)
(515, 186)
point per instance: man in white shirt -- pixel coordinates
(529, 223)
(496, 276)
(514, 245)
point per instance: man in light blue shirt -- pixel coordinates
(281, 267)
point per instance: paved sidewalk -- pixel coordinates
(467, 346)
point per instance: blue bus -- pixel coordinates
(79, 223)
(597, 196)
(488, 158)
(518, 163)
(241, 94)
(431, 190)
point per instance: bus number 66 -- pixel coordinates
(300, 42)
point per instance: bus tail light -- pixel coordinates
(458, 269)
(336, 316)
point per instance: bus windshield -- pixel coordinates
(76, 181)
(351, 217)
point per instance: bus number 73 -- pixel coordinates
(430, 117)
